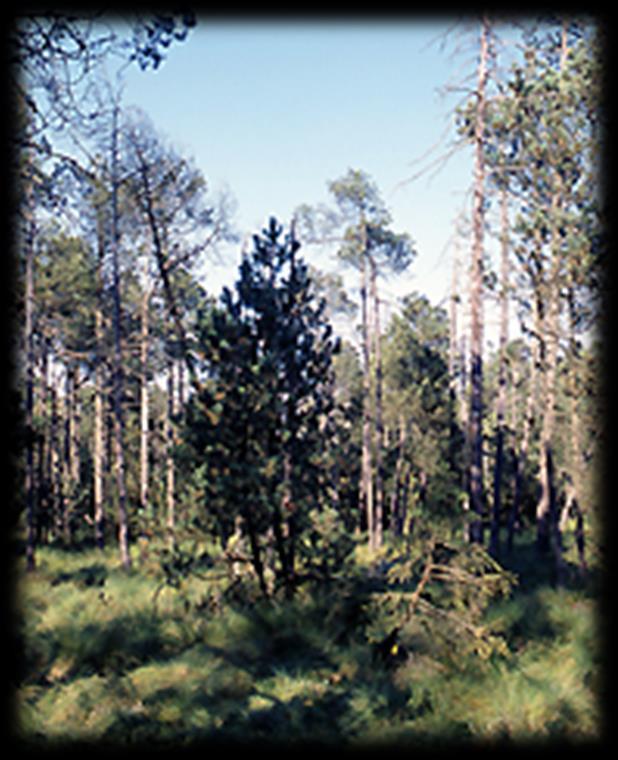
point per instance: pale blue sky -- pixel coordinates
(274, 110)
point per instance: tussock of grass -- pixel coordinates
(104, 662)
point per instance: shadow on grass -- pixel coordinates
(102, 647)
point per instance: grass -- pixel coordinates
(102, 662)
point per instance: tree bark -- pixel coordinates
(366, 484)
(67, 457)
(163, 268)
(29, 344)
(46, 478)
(537, 356)
(169, 456)
(144, 411)
(397, 515)
(475, 428)
(548, 529)
(123, 528)
(97, 442)
(576, 497)
(379, 427)
(56, 464)
(453, 358)
(494, 542)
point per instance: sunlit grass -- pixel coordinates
(114, 656)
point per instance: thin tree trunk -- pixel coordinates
(397, 517)
(29, 341)
(453, 349)
(494, 543)
(144, 411)
(97, 443)
(537, 357)
(576, 498)
(123, 528)
(548, 529)
(67, 462)
(247, 515)
(163, 269)
(97, 455)
(56, 463)
(475, 480)
(366, 484)
(522, 456)
(180, 370)
(76, 438)
(379, 428)
(47, 478)
(405, 494)
(547, 508)
(169, 456)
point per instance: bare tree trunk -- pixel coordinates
(97, 443)
(475, 428)
(97, 456)
(169, 455)
(46, 479)
(494, 542)
(522, 455)
(538, 354)
(76, 438)
(379, 428)
(396, 511)
(366, 484)
(576, 497)
(164, 273)
(548, 529)
(546, 513)
(123, 528)
(180, 370)
(56, 464)
(29, 342)
(40, 485)
(453, 335)
(144, 417)
(67, 462)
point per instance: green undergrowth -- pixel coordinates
(116, 657)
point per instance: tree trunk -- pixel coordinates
(475, 428)
(76, 438)
(46, 479)
(123, 528)
(29, 344)
(246, 511)
(56, 464)
(163, 269)
(67, 461)
(538, 353)
(169, 456)
(97, 443)
(548, 531)
(494, 543)
(576, 451)
(366, 484)
(397, 516)
(144, 417)
(379, 428)
(455, 359)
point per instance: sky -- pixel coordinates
(273, 110)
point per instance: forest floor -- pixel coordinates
(116, 658)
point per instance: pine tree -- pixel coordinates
(261, 420)
(371, 247)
